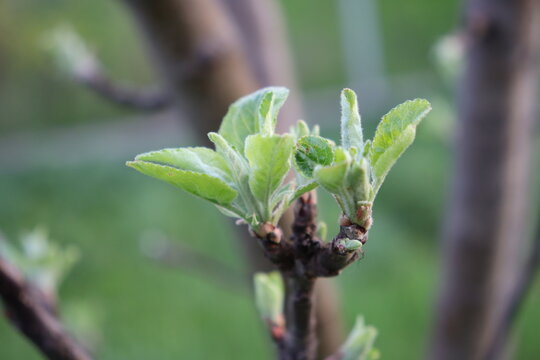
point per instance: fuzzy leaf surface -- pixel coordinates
(394, 134)
(205, 186)
(351, 124)
(248, 115)
(196, 159)
(269, 158)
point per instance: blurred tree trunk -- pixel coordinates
(210, 53)
(486, 225)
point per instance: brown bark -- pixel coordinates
(486, 223)
(211, 52)
(28, 310)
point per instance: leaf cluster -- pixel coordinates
(245, 175)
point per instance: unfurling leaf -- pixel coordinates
(312, 151)
(394, 134)
(208, 187)
(269, 159)
(359, 343)
(249, 114)
(269, 294)
(351, 125)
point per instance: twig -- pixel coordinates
(26, 311)
(301, 260)
(146, 100)
(515, 302)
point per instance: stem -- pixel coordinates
(301, 319)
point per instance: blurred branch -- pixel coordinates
(146, 100)
(188, 259)
(24, 308)
(516, 300)
(74, 56)
(485, 228)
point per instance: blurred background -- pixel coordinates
(63, 148)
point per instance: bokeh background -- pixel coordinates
(62, 154)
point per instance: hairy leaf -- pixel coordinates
(196, 159)
(208, 187)
(351, 125)
(394, 134)
(312, 151)
(248, 115)
(270, 159)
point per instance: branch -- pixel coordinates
(24, 308)
(146, 100)
(515, 302)
(303, 259)
(74, 56)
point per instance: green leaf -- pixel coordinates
(249, 114)
(333, 177)
(359, 344)
(301, 190)
(312, 151)
(270, 159)
(358, 180)
(394, 134)
(269, 295)
(301, 129)
(208, 187)
(196, 159)
(351, 125)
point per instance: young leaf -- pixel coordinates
(269, 295)
(208, 187)
(197, 159)
(301, 129)
(270, 159)
(301, 190)
(248, 114)
(351, 125)
(359, 344)
(394, 134)
(239, 167)
(312, 151)
(332, 177)
(358, 180)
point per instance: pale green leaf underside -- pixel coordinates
(270, 159)
(202, 185)
(196, 159)
(394, 135)
(332, 178)
(247, 115)
(351, 125)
